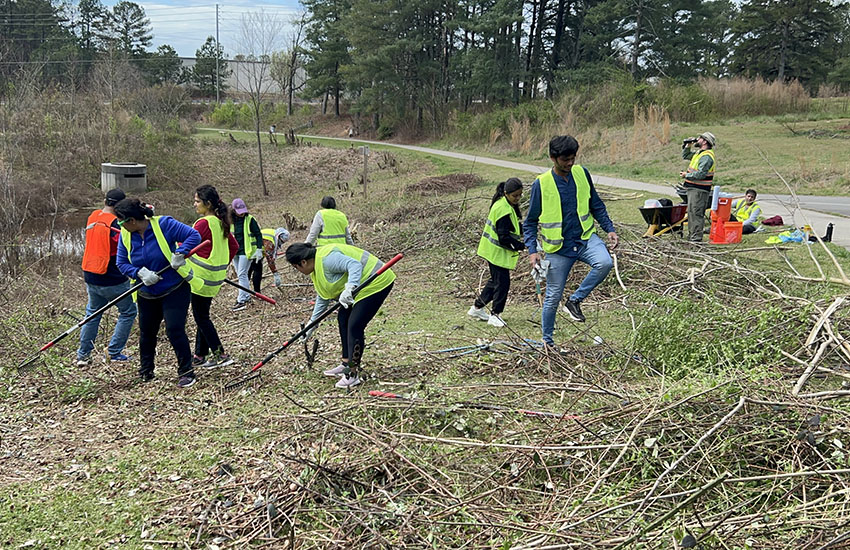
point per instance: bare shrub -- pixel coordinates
(158, 104)
(743, 96)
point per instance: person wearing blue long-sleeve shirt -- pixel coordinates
(562, 206)
(150, 243)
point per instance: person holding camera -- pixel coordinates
(698, 181)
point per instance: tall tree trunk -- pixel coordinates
(529, 50)
(325, 103)
(537, 52)
(637, 37)
(556, 46)
(517, 57)
(783, 53)
(336, 101)
(260, 148)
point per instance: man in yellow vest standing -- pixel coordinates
(561, 210)
(747, 211)
(698, 181)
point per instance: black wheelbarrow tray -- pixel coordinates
(663, 218)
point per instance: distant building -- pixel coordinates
(237, 83)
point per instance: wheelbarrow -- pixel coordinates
(663, 218)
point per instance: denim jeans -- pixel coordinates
(99, 296)
(241, 263)
(596, 255)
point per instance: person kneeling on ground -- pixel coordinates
(500, 245)
(149, 244)
(336, 270)
(747, 211)
(563, 205)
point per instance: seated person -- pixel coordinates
(747, 211)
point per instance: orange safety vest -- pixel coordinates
(98, 242)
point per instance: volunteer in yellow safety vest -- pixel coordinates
(104, 282)
(149, 244)
(273, 241)
(335, 271)
(698, 181)
(210, 269)
(500, 244)
(747, 211)
(562, 206)
(329, 225)
(247, 232)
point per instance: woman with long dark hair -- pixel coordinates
(500, 244)
(210, 269)
(335, 271)
(149, 244)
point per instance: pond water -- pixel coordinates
(66, 242)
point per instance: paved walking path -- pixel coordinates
(814, 209)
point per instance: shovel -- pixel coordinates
(254, 372)
(132, 289)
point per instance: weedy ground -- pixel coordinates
(676, 391)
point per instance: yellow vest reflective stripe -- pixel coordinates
(742, 212)
(333, 230)
(551, 221)
(268, 234)
(331, 290)
(209, 273)
(489, 247)
(185, 271)
(694, 166)
(247, 238)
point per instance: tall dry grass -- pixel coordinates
(743, 96)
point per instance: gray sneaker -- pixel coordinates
(186, 381)
(217, 360)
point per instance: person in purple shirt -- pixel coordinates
(563, 211)
(148, 244)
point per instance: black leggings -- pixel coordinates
(206, 338)
(173, 308)
(352, 327)
(255, 274)
(496, 289)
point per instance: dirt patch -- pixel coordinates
(450, 183)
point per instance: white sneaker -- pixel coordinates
(348, 381)
(495, 321)
(339, 370)
(478, 313)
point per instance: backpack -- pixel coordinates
(98, 250)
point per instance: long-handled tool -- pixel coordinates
(254, 372)
(482, 406)
(311, 356)
(120, 297)
(262, 297)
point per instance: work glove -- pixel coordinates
(148, 277)
(277, 281)
(257, 255)
(177, 260)
(347, 297)
(539, 271)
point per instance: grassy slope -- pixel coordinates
(92, 459)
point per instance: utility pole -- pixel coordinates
(217, 55)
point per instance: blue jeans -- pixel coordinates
(241, 263)
(596, 255)
(99, 296)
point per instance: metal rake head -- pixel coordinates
(30, 364)
(241, 381)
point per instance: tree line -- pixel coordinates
(408, 60)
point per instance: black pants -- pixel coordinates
(496, 289)
(352, 327)
(255, 274)
(206, 339)
(173, 308)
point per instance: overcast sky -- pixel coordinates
(186, 25)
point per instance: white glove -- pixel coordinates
(539, 271)
(177, 260)
(257, 255)
(148, 277)
(347, 297)
(277, 281)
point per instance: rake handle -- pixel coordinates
(326, 313)
(262, 297)
(120, 297)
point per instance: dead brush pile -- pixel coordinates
(585, 447)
